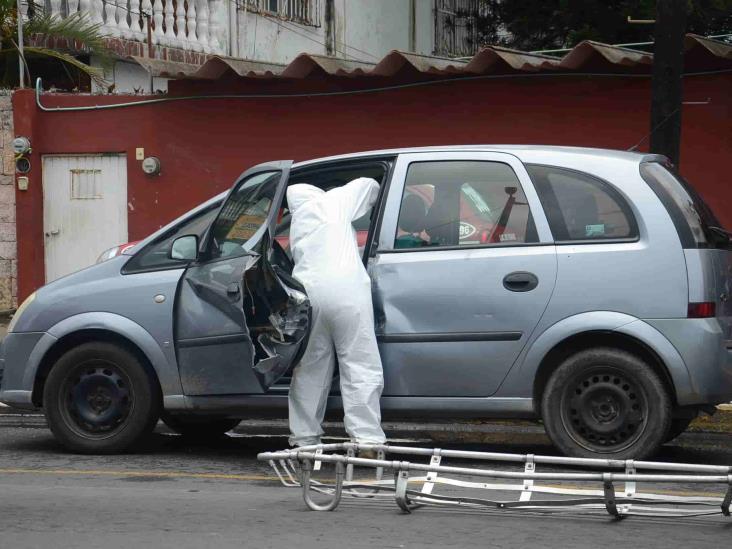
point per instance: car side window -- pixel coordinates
(462, 203)
(581, 207)
(156, 255)
(243, 214)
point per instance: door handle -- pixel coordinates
(53, 232)
(520, 281)
(232, 288)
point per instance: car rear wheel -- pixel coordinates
(606, 403)
(199, 428)
(99, 399)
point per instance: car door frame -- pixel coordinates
(389, 218)
(384, 244)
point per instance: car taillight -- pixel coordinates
(706, 309)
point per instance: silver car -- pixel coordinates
(588, 288)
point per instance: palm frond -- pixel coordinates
(76, 29)
(94, 73)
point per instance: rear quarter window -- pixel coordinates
(581, 207)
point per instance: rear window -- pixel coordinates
(581, 207)
(692, 217)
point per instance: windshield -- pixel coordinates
(244, 213)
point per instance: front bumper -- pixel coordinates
(20, 357)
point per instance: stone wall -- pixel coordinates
(8, 248)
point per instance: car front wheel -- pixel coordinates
(606, 403)
(99, 399)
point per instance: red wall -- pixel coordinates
(204, 144)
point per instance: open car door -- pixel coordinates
(241, 320)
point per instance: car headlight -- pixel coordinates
(19, 311)
(108, 254)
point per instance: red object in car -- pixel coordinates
(122, 249)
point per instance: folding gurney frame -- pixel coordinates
(294, 468)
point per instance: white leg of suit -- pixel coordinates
(328, 263)
(359, 363)
(311, 380)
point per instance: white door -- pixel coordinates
(84, 209)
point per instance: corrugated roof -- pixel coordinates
(587, 56)
(165, 69)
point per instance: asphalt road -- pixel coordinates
(180, 494)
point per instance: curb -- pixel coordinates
(720, 423)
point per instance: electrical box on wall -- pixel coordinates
(151, 165)
(22, 183)
(139, 153)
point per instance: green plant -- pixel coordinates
(46, 37)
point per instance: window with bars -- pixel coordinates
(305, 12)
(457, 26)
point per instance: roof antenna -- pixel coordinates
(666, 119)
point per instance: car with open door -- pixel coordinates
(586, 288)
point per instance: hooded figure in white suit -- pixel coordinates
(328, 264)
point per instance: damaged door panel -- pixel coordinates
(241, 319)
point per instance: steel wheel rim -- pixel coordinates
(604, 409)
(96, 399)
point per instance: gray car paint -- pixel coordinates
(640, 289)
(411, 297)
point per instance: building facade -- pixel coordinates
(187, 32)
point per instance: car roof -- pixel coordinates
(526, 153)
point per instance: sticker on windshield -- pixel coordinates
(595, 230)
(466, 230)
(245, 227)
(508, 237)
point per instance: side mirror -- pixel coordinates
(184, 248)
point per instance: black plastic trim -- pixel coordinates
(213, 340)
(466, 247)
(446, 337)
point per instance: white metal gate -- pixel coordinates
(84, 209)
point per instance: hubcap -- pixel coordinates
(604, 410)
(97, 399)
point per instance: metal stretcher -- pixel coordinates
(598, 479)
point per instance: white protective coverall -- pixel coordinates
(328, 264)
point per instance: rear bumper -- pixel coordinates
(20, 355)
(705, 348)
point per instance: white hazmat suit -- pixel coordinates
(328, 264)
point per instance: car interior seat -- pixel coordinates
(412, 218)
(585, 216)
(443, 218)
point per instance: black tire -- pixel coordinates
(99, 399)
(678, 426)
(201, 427)
(606, 403)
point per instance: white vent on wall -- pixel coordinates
(86, 184)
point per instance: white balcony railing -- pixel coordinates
(196, 25)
